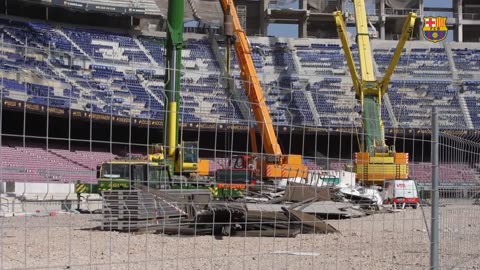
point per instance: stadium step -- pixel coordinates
(311, 104)
(68, 159)
(14, 37)
(466, 112)
(391, 113)
(296, 61)
(145, 51)
(58, 31)
(451, 61)
(145, 83)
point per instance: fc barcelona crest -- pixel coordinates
(435, 28)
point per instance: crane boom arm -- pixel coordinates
(406, 34)
(342, 33)
(173, 73)
(370, 97)
(370, 90)
(363, 40)
(251, 84)
(376, 162)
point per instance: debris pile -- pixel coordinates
(129, 210)
(271, 212)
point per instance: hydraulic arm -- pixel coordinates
(251, 83)
(281, 165)
(172, 73)
(183, 155)
(376, 162)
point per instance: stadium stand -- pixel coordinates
(335, 102)
(420, 59)
(305, 80)
(471, 95)
(422, 78)
(412, 99)
(466, 57)
(53, 165)
(111, 56)
(450, 173)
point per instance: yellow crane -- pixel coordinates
(376, 162)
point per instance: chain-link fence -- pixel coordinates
(87, 180)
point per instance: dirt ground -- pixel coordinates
(381, 241)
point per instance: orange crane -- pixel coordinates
(272, 164)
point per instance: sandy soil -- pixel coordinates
(382, 241)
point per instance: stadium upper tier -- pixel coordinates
(306, 81)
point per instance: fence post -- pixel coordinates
(434, 240)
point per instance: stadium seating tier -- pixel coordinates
(306, 81)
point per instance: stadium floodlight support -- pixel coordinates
(172, 73)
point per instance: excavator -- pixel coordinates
(375, 162)
(273, 163)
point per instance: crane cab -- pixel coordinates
(241, 162)
(186, 158)
(267, 166)
(185, 161)
(127, 174)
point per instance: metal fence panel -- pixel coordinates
(192, 223)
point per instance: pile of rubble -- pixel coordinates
(264, 211)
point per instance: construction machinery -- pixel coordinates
(185, 154)
(124, 174)
(376, 162)
(273, 163)
(183, 157)
(185, 160)
(232, 183)
(174, 157)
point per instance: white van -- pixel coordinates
(400, 192)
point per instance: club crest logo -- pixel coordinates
(435, 28)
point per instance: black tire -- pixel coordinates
(414, 206)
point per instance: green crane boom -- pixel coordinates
(172, 73)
